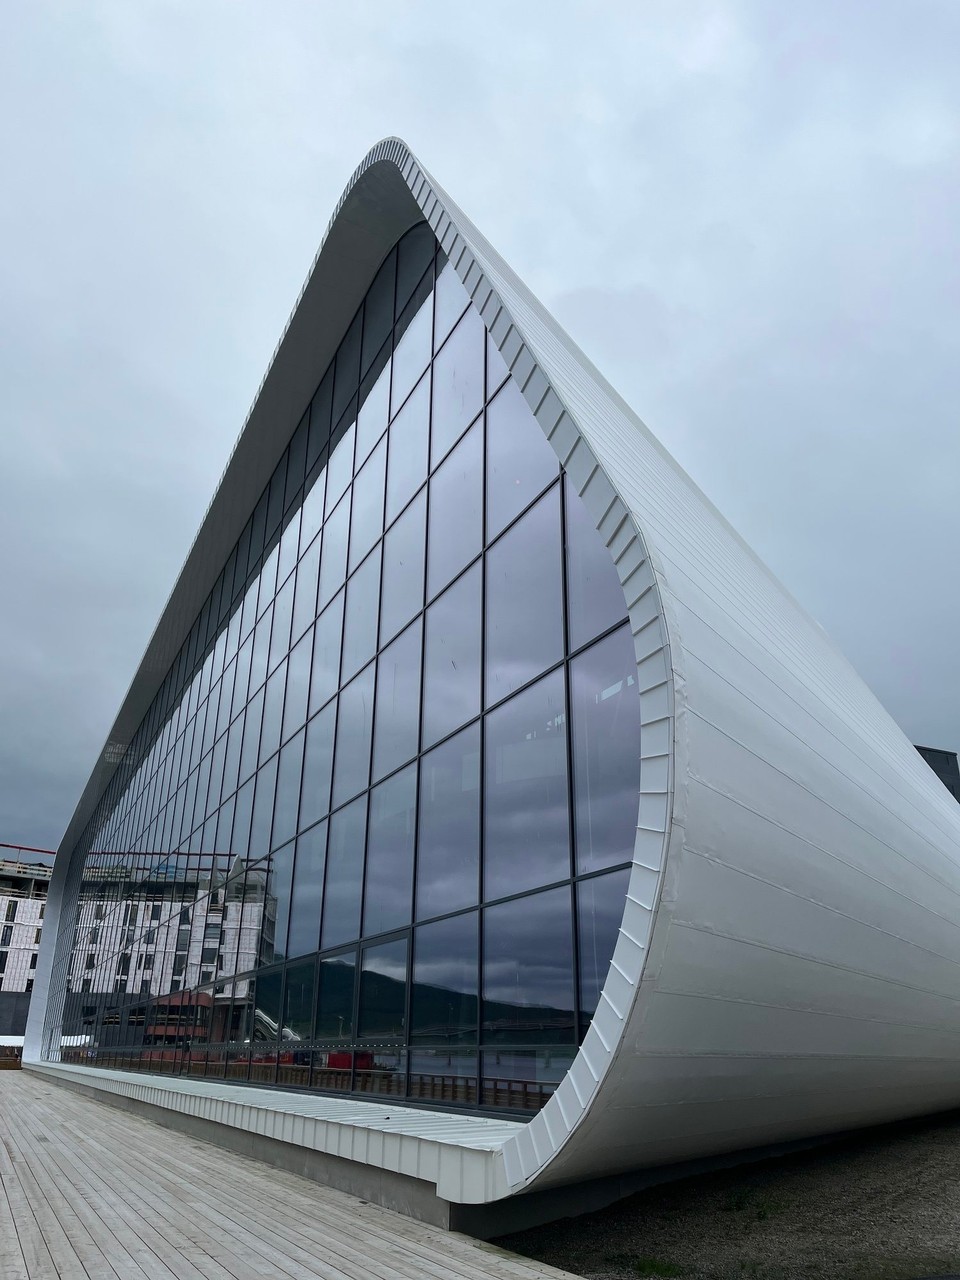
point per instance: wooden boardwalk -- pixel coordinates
(91, 1193)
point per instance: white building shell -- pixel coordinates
(789, 956)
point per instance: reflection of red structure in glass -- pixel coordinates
(180, 1019)
(343, 1060)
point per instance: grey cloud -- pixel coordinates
(746, 214)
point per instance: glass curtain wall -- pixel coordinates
(374, 834)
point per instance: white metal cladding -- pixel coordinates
(789, 954)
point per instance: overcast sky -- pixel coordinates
(748, 214)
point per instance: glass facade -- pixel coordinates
(373, 835)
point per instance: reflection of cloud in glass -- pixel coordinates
(456, 511)
(307, 891)
(457, 383)
(524, 600)
(396, 723)
(520, 459)
(403, 559)
(606, 751)
(449, 839)
(389, 869)
(451, 678)
(600, 904)
(341, 898)
(526, 835)
(528, 967)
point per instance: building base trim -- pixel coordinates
(353, 1145)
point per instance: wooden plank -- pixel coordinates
(13, 1265)
(100, 1194)
(155, 1255)
(68, 1262)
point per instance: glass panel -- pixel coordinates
(249, 614)
(451, 302)
(276, 908)
(457, 384)
(596, 598)
(605, 710)
(397, 720)
(456, 512)
(451, 675)
(333, 555)
(305, 599)
(347, 368)
(335, 990)
(411, 356)
(600, 904)
(297, 459)
(388, 894)
(497, 371)
(317, 766)
(307, 894)
(289, 778)
(272, 713)
(360, 623)
(327, 640)
(528, 970)
(526, 832)
(264, 794)
(381, 1071)
(448, 850)
(383, 994)
(367, 518)
(261, 651)
(268, 580)
(524, 601)
(282, 617)
(266, 1013)
(242, 680)
(240, 843)
(443, 1008)
(408, 443)
(298, 686)
(299, 1001)
(403, 563)
(522, 1079)
(311, 513)
(520, 460)
(289, 547)
(443, 1076)
(320, 410)
(354, 728)
(378, 311)
(344, 879)
(374, 411)
(415, 254)
(250, 753)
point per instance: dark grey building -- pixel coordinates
(945, 765)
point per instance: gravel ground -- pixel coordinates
(881, 1205)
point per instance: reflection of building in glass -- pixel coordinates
(541, 796)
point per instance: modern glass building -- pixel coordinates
(477, 765)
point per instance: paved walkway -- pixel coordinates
(91, 1193)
